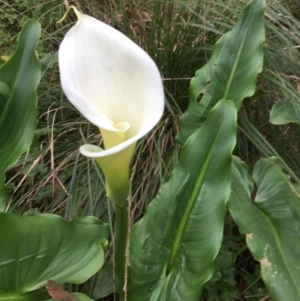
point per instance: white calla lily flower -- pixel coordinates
(117, 87)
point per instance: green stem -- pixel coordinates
(120, 246)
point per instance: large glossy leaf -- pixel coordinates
(19, 78)
(173, 246)
(34, 249)
(231, 72)
(267, 209)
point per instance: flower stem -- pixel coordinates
(120, 246)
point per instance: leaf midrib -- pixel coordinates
(189, 207)
(233, 70)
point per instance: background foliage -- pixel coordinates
(179, 35)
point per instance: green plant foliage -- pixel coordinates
(231, 71)
(266, 208)
(19, 78)
(43, 295)
(173, 246)
(34, 249)
(222, 285)
(39, 295)
(4, 90)
(105, 284)
(82, 297)
(260, 142)
(285, 111)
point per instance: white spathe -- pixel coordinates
(117, 87)
(111, 81)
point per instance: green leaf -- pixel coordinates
(82, 297)
(285, 111)
(173, 246)
(44, 296)
(40, 295)
(34, 249)
(4, 90)
(267, 209)
(19, 78)
(231, 72)
(105, 284)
